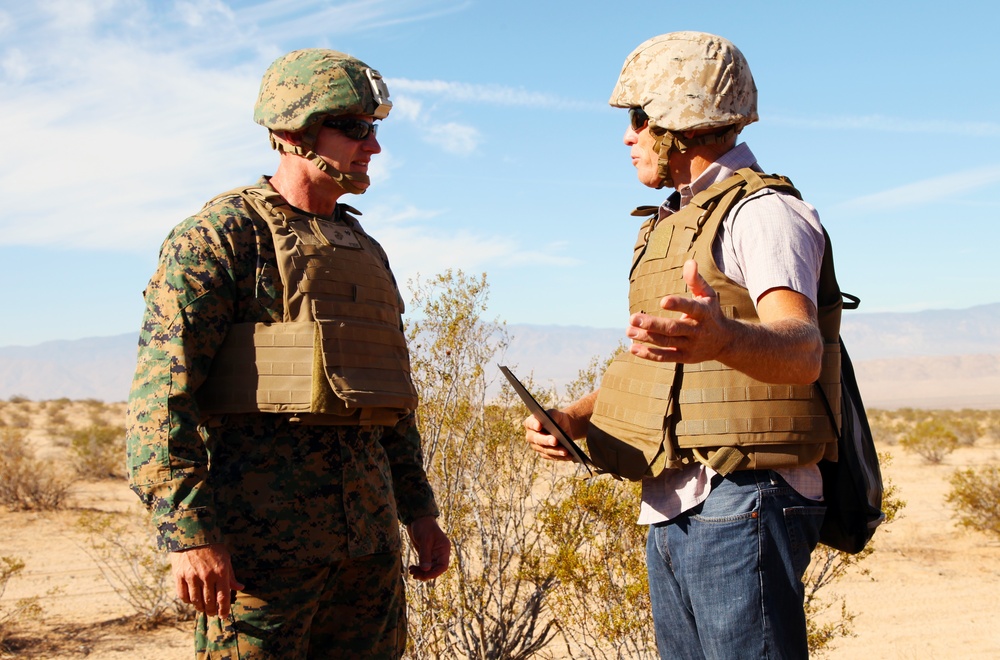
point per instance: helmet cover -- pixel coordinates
(688, 81)
(302, 87)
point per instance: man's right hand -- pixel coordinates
(572, 419)
(542, 442)
(205, 578)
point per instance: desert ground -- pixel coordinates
(928, 591)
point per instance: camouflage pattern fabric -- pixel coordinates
(688, 81)
(305, 85)
(278, 494)
(351, 609)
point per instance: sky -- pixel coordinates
(501, 154)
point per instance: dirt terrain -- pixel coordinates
(929, 590)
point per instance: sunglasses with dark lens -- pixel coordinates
(638, 117)
(356, 129)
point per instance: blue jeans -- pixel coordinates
(725, 578)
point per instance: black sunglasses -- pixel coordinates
(356, 129)
(638, 117)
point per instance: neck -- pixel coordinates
(305, 187)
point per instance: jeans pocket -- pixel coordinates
(803, 524)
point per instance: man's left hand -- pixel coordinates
(432, 546)
(699, 334)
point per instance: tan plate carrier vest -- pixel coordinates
(339, 355)
(652, 416)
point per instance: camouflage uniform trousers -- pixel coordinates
(352, 609)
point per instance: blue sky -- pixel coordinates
(501, 154)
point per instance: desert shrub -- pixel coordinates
(17, 418)
(600, 559)
(991, 425)
(27, 483)
(599, 562)
(18, 398)
(13, 614)
(965, 424)
(57, 418)
(830, 619)
(931, 439)
(490, 602)
(976, 495)
(123, 546)
(98, 451)
(507, 594)
(886, 425)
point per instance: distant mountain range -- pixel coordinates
(939, 358)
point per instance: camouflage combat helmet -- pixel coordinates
(304, 87)
(687, 81)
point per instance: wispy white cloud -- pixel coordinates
(927, 190)
(418, 245)
(197, 13)
(15, 65)
(119, 125)
(455, 137)
(893, 125)
(450, 136)
(290, 19)
(486, 94)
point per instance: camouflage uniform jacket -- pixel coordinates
(276, 492)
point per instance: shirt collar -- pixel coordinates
(736, 158)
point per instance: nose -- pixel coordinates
(630, 137)
(371, 144)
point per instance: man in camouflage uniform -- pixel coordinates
(280, 504)
(714, 407)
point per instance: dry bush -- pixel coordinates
(490, 603)
(507, 594)
(828, 620)
(123, 545)
(27, 483)
(599, 561)
(930, 438)
(98, 451)
(16, 417)
(57, 419)
(887, 427)
(22, 610)
(976, 495)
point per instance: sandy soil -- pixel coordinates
(929, 591)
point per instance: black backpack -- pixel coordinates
(852, 485)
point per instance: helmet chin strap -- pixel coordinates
(667, 142)
(349, 181)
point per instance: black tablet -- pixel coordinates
(547, 422)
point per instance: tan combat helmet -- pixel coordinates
(304, 87)
(687, 81)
